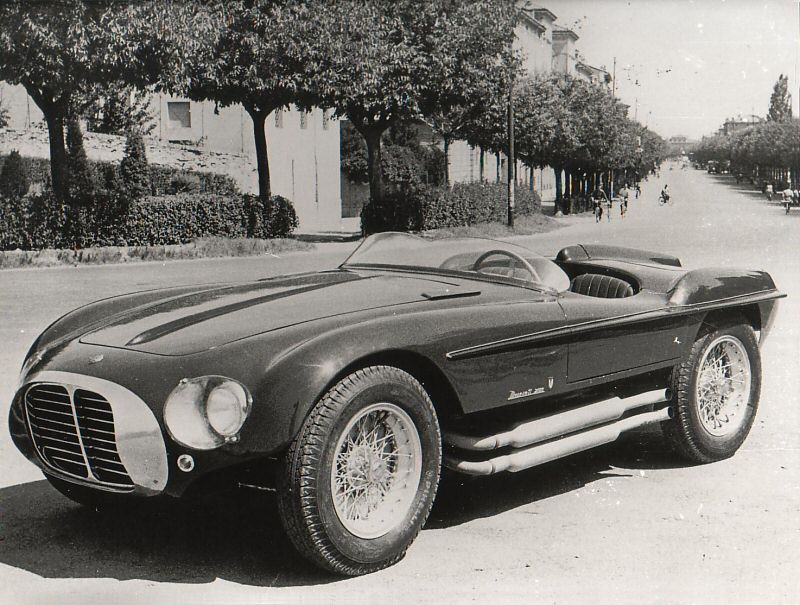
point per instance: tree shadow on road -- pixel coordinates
(462, 499)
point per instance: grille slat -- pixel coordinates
(73, 431)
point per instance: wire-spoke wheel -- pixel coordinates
(716, 394)
(723, 386)
(359, 480)
(377, 470)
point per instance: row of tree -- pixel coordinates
(377, 63)
(766, 151)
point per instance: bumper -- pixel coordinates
(137, 438)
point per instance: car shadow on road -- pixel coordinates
(234, 536)
(237, 536)
(462, 499)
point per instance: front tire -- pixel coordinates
(358, 482)
(717, 390)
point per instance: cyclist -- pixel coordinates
(664, 197)
(599, 197)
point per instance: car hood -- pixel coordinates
(205, 319)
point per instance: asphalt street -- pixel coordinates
(625, 523)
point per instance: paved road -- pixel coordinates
(622, 524)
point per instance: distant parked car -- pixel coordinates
(359, 384)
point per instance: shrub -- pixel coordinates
(38, 222)
(184, 182)
(38, 170)
(422, 208)
(133, 170)
(14, 181)
(81, 183)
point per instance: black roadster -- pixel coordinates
(361, 383)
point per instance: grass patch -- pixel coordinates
(523, 225)
(209, 247)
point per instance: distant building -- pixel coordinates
(738, 123)
(303, 147)
(565, 56)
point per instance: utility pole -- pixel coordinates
(614, 79)
(512, 162)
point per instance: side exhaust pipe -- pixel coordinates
(562, 423)
(542, 452)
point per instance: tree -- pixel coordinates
(60, 50)
(133, 167)
(257, 56)
(14, 181)
(470, 64)
(45, 48)
(780, 103)
(118, 109)
(81, 180)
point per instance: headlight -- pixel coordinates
(207, 412)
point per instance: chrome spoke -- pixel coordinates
(723, 386)
(376, 470)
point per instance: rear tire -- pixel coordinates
(358, 482)
(716, 393)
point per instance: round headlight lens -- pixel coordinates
(203, 413)
(226, 408)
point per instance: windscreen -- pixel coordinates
(474, 257)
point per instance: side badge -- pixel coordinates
(96, 358)
(549, 383)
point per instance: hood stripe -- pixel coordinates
(185, 322)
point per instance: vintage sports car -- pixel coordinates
(358, 385)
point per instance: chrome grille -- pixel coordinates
(73, 431)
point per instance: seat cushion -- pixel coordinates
(601, 286)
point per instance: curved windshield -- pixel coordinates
(473, 257)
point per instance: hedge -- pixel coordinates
(164, 180)
(424, 208)
(38, 222)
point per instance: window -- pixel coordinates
(179, 114)
(279, 118)
(303, 120)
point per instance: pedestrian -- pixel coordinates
(638, 190)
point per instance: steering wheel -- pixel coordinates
(512, 255)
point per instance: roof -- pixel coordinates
(530, 20)
(563, 32)
(543, 12)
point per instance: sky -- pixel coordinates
(685, 66)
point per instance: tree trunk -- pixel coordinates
(374, 166)
(497, 166)
(54, 111)
(447, 161)
(512, 162)
(557, 170)
(58, 154)
(483, 165)
(259, 118)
